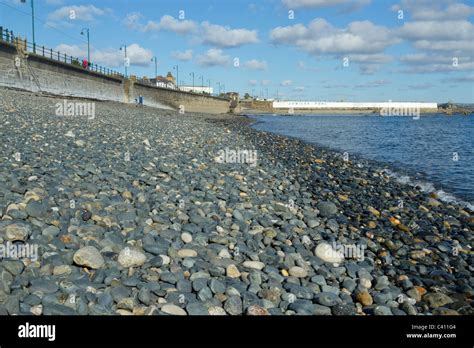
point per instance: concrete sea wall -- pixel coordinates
(179, 100)
(39, 74)
(35, 73)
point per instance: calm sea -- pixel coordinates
(435, 150)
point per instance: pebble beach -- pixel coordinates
(141, 211)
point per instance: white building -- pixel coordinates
(197, 89)
(348, 105)
(165, 84)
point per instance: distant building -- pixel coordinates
(167, 81)
(351, 105)
(170, 77)
(197, 89)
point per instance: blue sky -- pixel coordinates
(296, 48)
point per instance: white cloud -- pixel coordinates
(424, 59)
(435, 10)
(455, 47)
(183, 56)
(454, 37)
(349, 5)
(439, 32)
(226, 37)
(369, 63)
(432, 30)
(110, 57)
(138, 55)
(253, 82)
(86, 13)
(169, 23)
(286, 83)
(132, 21)
(320, 37)
(265, 82)
(435, 63)
(287, 35)
(379, 58)
(205, 32)
(72, 50)
(361, 41)
(213, 57)
(255, 64)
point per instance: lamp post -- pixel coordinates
(202, 83)
(219, 84)
(127, 62)
(209, 83)
(192, 74)
(32, 22)
(176, 67)
(88, 44)
(156, 66)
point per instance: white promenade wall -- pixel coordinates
(348, 105)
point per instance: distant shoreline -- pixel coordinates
(346, 112)
(363, 112)
(400, 109)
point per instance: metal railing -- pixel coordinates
(8, 36)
